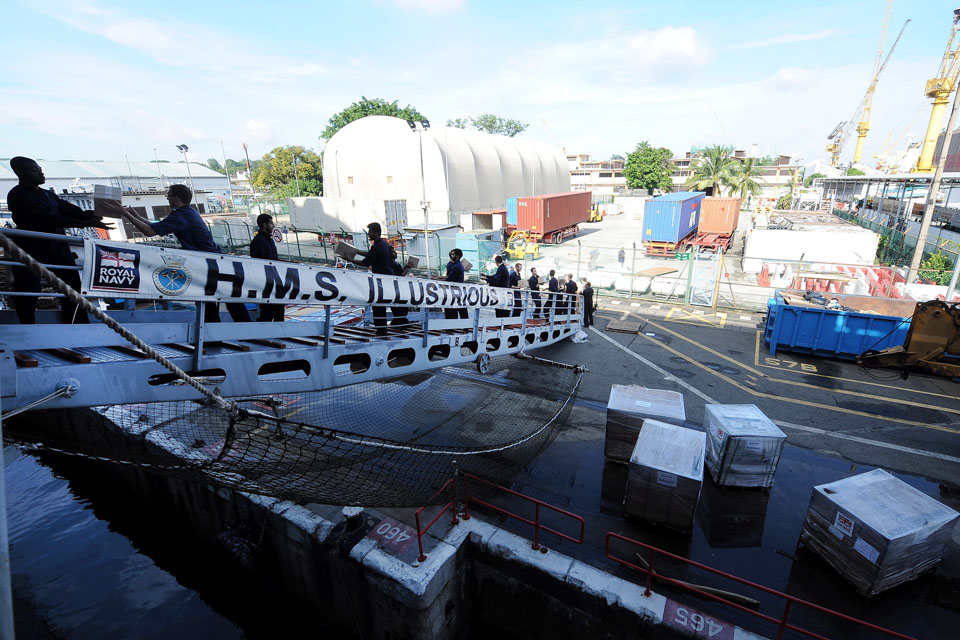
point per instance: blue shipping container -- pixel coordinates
(671, 217)
(831, 333)
(512, 211)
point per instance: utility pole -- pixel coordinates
(424, 125)
(932, 197)
(183, 149)
(250, 176)
(157, 160)
(227, 171)
(295, 178)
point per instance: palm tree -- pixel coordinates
(715, 168)
(743, 180)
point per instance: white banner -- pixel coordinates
(125, 270)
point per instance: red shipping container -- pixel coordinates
(719, 215)
(542, 215)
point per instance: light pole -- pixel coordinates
(183, 149)
(157, 160)
(227, 171)
(295, 178)
(424, 125)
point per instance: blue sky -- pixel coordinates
(96, 80)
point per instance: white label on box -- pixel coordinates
(867, 551)
(666, 479)
(752, 445)
(844, 523)
(641, 403)
(836, 532)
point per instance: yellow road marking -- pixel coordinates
(710, 320)
(807, 385)
(806, 403)
(756, 357)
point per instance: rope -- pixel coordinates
(60, 286)
(67, 390)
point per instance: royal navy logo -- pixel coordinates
(172, 278)
(116, 269)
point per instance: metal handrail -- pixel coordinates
(782, 624)
(21, 233)
(452, 505)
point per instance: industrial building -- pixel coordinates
(603, 177)
(64, 176)
(774, 179)
(450, 172)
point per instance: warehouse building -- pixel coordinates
(64, 176)
(455, 171)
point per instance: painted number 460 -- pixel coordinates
(789, 364)
(394, 534)
(697, 622)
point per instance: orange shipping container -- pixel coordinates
(719, 215)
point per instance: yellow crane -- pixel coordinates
(939, 89)
(838, 137)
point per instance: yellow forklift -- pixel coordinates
(932, 345)
(520, 247)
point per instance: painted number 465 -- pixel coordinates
(697, 622)
(789, 364)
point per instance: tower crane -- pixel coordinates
(939, 89)
(838, 137)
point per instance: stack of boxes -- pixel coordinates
(877, 530)
(665, 475)
(628, 407)
(743, 445)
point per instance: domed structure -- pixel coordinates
(379, 158)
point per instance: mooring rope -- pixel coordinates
(60, 286)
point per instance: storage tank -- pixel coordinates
(544, 215)
(719, 215)
(672, 217)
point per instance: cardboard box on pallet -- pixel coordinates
(665, 475)
(876, 530)
(732, 517)
(628, 407)
(743, 445)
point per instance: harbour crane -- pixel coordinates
(861, 115)
(939, 89)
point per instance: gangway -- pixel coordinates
(82, 365)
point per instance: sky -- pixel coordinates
(99, 80)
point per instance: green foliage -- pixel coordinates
(616, 156)
(882, 244)
(649, 168)
(812, 177)
(490, 123)
(214, 164)
(853, 171)
(937, 268)
(275, 172)
(367, 107)
(742, 181)
(715, 168)
(237, 165)
(785, 201)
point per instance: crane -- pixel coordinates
(838, 137)
(939, 89)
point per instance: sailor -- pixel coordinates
(553, 286)
(378, 259)
(36, 209)
(455, 274)
(515, 281)
(534, 284)
(263, 247)
(570, 289)
(500, 278)
(191, 231)
(588, 306)
(399, 313)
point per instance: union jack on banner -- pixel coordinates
(119, 259)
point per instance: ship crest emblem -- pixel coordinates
(172, 278)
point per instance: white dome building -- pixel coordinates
(379, 158)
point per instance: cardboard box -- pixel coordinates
(413, 261)
(628, 407)
(743, 445)
(346, 250)
(877, 530)
(107, 201)
(665, 475)
(467, 265)
(732, 517)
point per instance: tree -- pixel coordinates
(215, 165)
(275, 172)
(649, 168)
(812, 177)
(743, 179)
(616, 156)
(714, 168)
(490, 123)
(853, 171)
(366, 107)
(938, 268)
(785, 201)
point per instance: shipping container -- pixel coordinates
(672, 217)
(719, 215)
(553, 216)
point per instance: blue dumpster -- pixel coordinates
(833, 333)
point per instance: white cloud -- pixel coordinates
(257, 131)
(671, 48)
(786, 38)
(432, 7)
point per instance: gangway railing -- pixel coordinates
(330, 342)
